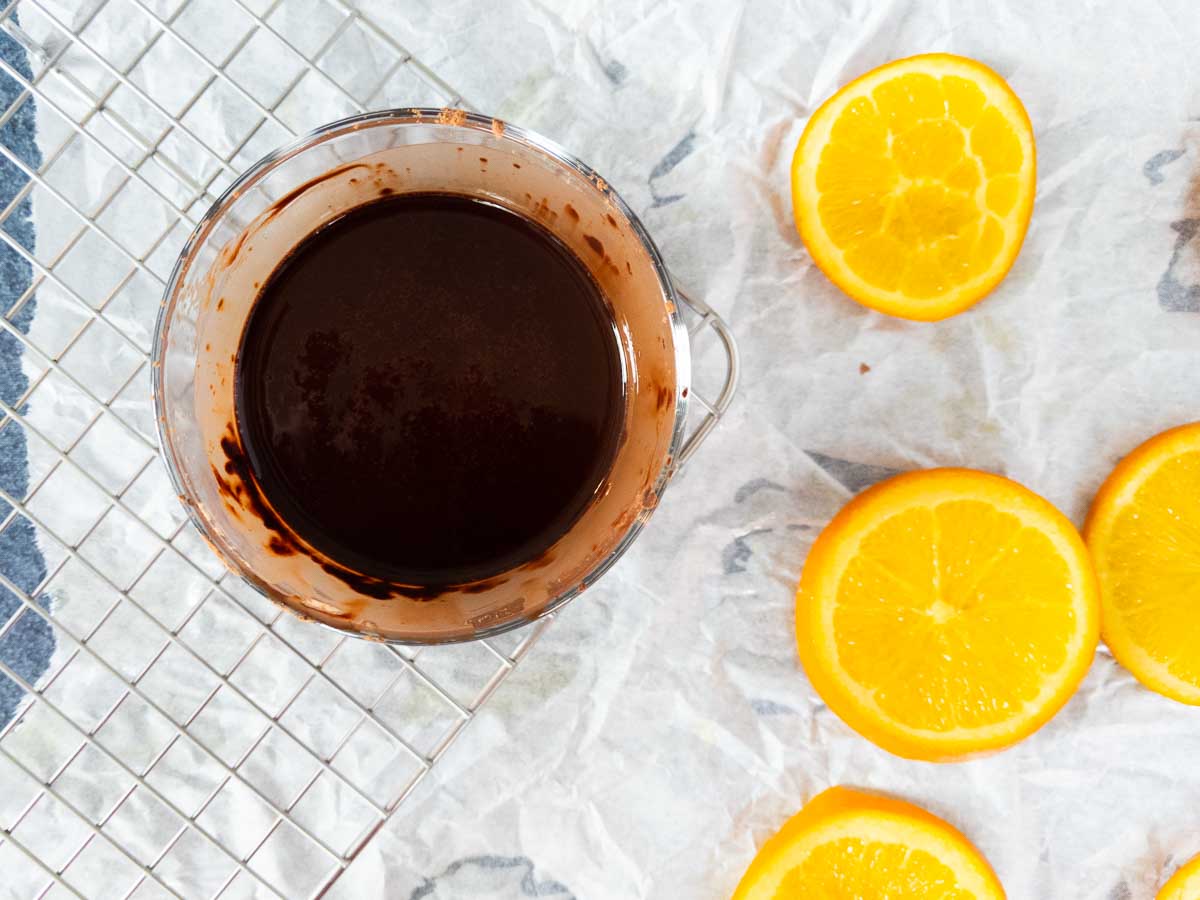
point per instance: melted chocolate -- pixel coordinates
(429, 390)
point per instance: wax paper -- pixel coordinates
(663, 728)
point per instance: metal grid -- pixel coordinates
(188, 738)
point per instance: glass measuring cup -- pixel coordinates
(291, 193)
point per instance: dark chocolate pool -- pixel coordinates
(429, 389)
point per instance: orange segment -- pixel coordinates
(934, 153)
(947, 613)
(1002, 194)
(1184, 884)
(848, 845)
(1144, 534)
(965, 99)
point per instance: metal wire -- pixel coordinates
(67, 58)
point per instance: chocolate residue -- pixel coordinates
(374, 587)
(539, 562)
(220, 304)
(237, 248)
(516, 165)
(595, 244)
(384, 192)
(227, 488)
(684, 392)
(281, 204)
(628, 267)
(497, 128)
(572, 213)
(625, 519)
(239, 485)
(664, 396)
(608, 217)
(280, 548)
(481, 586)
(863, 368)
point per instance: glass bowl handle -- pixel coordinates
(713, 409)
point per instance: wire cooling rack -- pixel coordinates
(185, 738)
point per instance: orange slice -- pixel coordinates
(849, 845)
(947, 613)
(1184, 884)
(1144, 534)
(913, 185)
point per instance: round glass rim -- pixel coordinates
(454, 118)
